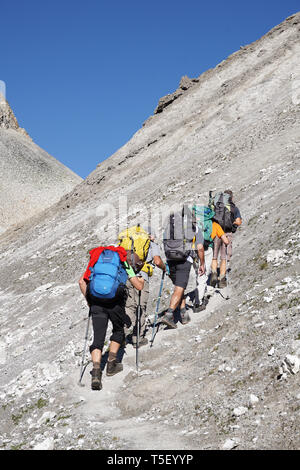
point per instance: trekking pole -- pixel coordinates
(209, 198)
(157, 307)
(227, 274)
(138, 333)
(82, 368)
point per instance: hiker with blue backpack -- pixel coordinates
(104, 286)
(211, 231)
(229, 217)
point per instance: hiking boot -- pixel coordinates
(213, 279)
(200, 307)
(185, 318)
(197, 308)
(113, 367)
(142, 342)
(168, 319)
(96, 379)
(223, 282)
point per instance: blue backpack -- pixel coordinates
(108, 276)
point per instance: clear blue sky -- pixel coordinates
(82, 76)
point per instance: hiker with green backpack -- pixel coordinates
(141, 242)
(183, 243)
(229, 217)
(104, 286)
(211, 231)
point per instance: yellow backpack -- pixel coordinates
(137, 240)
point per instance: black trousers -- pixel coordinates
(102, 312)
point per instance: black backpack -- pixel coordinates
(179, 235)
(224, 208)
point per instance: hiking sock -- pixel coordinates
(112, 356)
(96, 365)
(170, 312)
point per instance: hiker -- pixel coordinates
(229, 224)
(211, 231)
(153, 257)
(183, 242)
(103, 286)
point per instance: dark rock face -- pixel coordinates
(185, 84)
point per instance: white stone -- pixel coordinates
(230, 444)
(275, 256)
(253, 399)
(47, 444)
(47, 416)
(240, 410)
(146, 372)
(292, 363)
(259, 325)
(271, 352)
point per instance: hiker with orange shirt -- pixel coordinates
(211, 232)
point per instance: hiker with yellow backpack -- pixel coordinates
(137, 241)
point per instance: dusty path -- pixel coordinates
(103, 408)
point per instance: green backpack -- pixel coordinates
(203, 216)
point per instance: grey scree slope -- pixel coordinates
(240, 124)
(31, 179)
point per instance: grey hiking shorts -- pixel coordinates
(220, 247)
(180, 272)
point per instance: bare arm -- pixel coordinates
(159, 263)
(137, 282)
(225, 239)
(82, 285)
(238, 221)
(200, 250)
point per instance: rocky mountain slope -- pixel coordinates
(230, 379)
(31, 179)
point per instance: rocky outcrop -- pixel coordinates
(185, 84)
(7, 117)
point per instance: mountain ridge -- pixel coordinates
(32, 180)
(223, 381)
